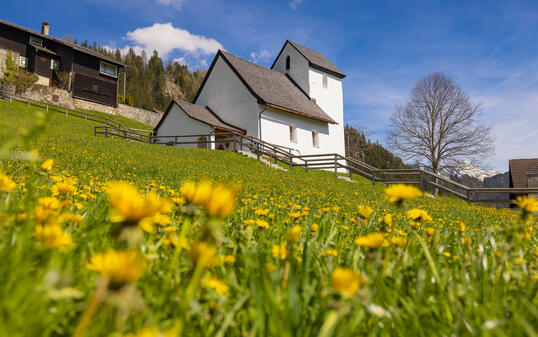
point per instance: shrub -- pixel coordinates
(62, 79)
(21, 78)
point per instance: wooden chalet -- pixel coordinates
(92, 76)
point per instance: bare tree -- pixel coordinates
(440, 125)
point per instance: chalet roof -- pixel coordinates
(315, 59)
(273, 88)
(64, 42)
(45, 50)
(200, 113)
(519, 168)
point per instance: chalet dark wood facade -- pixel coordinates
(92, 76)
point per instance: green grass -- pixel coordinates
(487, 286)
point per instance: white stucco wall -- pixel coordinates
(330, 100)
(177, 122)
(276, 130)
(228, 97)
(298, 66)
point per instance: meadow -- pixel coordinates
(107, 237)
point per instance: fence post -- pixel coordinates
(65, 112)
(373, 178)
(468, 197)
(350, 173)
(86, 116)
(421, 182)
(258, 150)
(335, 167)
(291, 162)
(235, 147)
(306, 165)
(28, 104)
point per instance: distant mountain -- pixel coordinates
(473, 176)
(470, 170)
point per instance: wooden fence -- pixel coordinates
(425, 180)
(285, 156)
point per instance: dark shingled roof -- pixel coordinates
(274, 89)
(317, 60)
(519, 168)
(65, 43)
(200, 113)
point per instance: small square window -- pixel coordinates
(35, 41)
(23, 62)
(325, 81)
(108, 69)
(55, 64)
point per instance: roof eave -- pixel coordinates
(278, 107)
(328, 71)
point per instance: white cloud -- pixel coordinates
(294, 3)
(261, 56)
(180, 60)
(165, 38)
(174, 3)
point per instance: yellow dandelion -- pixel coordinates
(294, 234)
(528, 205)
(66, 186)
(47, 165)
(417, 216)
(386, 220)
(119, 267)
(364, 211)
(54, 237)
(214, 283)
(218, 200)
(372, 240)
(295, 215)
(279, 251)
(228, 259)
(346, 282)
(6, 184)
(314, 227)
(399, 193)
(203, 252)
(130, 207)
(397, 241)
(262, 211)
(330, 251)
(262, 223)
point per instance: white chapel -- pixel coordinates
(297, 103)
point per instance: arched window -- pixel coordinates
(315, 138)
(293, 133)
(288, 64)
(202, 142)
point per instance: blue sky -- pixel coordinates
(490, 48)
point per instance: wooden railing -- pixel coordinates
(70, 112)
(425, 180)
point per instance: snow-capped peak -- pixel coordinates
(467, 168)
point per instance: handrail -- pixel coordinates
(331, 161)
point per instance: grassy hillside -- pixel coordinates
(285, 261)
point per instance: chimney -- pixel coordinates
(45, 28)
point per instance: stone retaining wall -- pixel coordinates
(55, 96)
